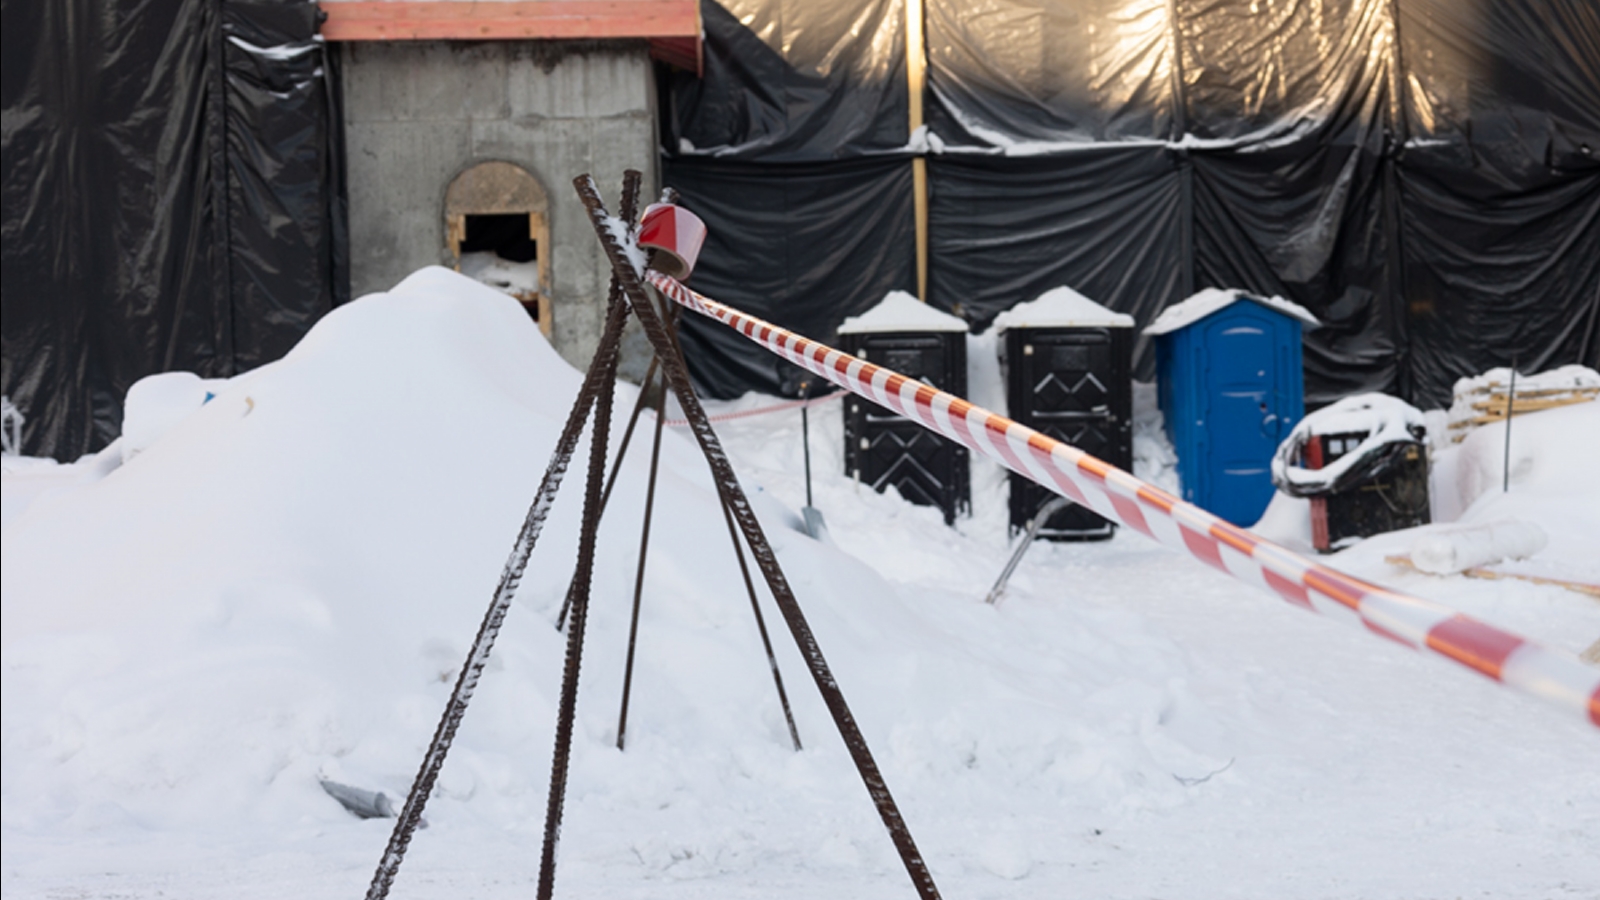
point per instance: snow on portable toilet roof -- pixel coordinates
(1060, 307)
(1210, 300)
(899, 311)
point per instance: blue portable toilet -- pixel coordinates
(1230, 387)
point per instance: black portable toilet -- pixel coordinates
(1067, 363)
(883, 448)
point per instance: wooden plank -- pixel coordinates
(1497, 405)
(1592, 590)
(410, 20)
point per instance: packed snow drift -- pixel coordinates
(277, 586)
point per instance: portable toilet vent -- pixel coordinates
(1231, 388)
(1067, 363)
(882, 447)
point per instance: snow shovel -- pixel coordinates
(812, 516)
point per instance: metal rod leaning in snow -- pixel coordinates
(669, 313)
(505, 591)
(1411, 621)
(628, 265)
(638, 581)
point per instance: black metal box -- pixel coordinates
(1392, 496)
(1075, 385)
(883, 448)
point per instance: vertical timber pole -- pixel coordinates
(916, 76)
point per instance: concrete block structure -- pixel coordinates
(452, 144)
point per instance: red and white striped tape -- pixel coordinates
(676, 233)
(1416, 623)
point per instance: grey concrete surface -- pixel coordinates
(417, 113)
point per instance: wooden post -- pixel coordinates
(916, 75)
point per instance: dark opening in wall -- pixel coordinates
(496, 226)
(504, 234)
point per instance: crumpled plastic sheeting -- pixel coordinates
(1422, 175)
(1498, 267)
(802, 246)
(1105, 221)
(127, 249)
(1002, 72)
(1309, 222)
(794, 81)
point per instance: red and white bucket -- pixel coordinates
(676, 234)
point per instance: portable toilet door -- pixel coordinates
(882, 448)
(1231, 388)
(1067, 363)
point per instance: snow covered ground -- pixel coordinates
(281, 584)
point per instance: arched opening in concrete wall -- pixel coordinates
(498, 229)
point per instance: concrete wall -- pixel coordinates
(417, 113)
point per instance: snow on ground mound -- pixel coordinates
(281, 585)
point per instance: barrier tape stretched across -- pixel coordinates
(1416, 623)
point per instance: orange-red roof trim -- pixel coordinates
(469, 20)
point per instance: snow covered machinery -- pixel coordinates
(1363, 464)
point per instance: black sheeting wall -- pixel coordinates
(173, 199)
(1105, 219)
(1423, 175)
(801, 245)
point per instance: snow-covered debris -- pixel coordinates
(157, 403)
(1383, 419)
(1450, 549)
(501, 274)
(1208, 301)
(899, 311)
(1480, 399)
(1060, 307)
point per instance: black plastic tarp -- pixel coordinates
(802, 246)
(1007, 71)
(1423, 175)
(794, 81)
(172, 199)
(1105, 219)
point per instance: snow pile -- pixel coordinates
(899, 311)
(1209, 300)
(1383, 419)
(1446, 551)
(1060, 307)
(1155, 460)
(279, 589)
